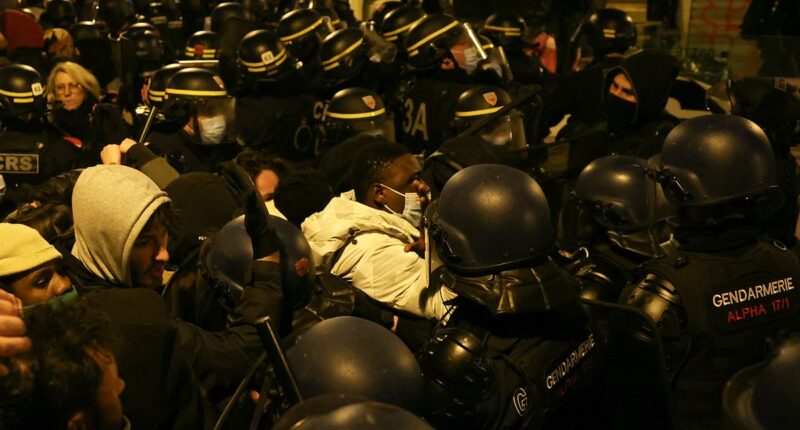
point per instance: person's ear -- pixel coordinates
(377, 193)
(79, 421)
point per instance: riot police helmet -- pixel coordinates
(116, 14)
(458, 376)
(88, 30)
(396, 23)
(491, 218)
(474, 104)
(202, 45)
(722, 164)
(364, 416)
(382, 10)
(441, 37)
(357, 111)
(226, 11)
(260, 9)
(505, 29)
(302, 31)
(148, 49)
(358, 357)
(772, 103)
(263, 57)
(194, 96)
(765, 395)
(610, 31)
(59, 14)
(138, 28)
(157, 87)
(343, 55)
(619, 194)
(227, 258)
(21, 93)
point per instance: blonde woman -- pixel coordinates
(80, 114)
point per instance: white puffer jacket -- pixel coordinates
(375, 260)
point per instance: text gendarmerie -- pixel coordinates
(744, 295)
(565, 367)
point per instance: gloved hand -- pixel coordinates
(256, 217)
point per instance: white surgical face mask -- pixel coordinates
(212, 129)
(471, 60)
(412, 210)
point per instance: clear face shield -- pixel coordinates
(214, 120)
(380, 126)
(468, 52)
(507, 131)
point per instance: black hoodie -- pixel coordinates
(651, 75)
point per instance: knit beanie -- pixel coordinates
(22, 249)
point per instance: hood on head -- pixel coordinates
(652, 75)
(111, 205)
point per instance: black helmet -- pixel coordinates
(771, 103)
(148, 48)
(262, 10)
(343, 55)
(138, 28)
(476, 103)
(396, 24)
(60, 14)
(21, 92)
(202, 45)
(355, 111)
(116, 14)
(364, 416)
(195, 94)
(157, 87)
(716, 159)
(303, 30)
(610, 30)
(354, 356)
(458, 376)
(228, 10)
(620, 195)
(383, 9)
(428, 41)
(491, 218)
(87, 30)
(262, 56)
(228, 258)
(505, 30)
(765, 395)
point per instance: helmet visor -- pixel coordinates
(507, 131)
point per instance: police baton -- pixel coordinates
(147, 124)
(283, 374)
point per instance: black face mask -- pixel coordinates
(619, 113)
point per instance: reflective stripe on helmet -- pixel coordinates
(402, 29)
(412, 50)
(478, 112)
(355, 115)
(332, 63)
(303, 31)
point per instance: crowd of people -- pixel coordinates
(272, 214)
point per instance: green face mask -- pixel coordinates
(57, 301)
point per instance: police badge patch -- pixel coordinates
(369, 101)
(520, 399)
(267, 57)
(37, 89)
(490, 97)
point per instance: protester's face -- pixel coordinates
(108, 412)
(622, 88)
(40, 284)
(403, 176)
(68, 91)
(149, 256)
(266, 182)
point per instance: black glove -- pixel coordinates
(256, 217)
